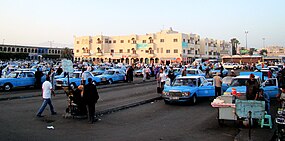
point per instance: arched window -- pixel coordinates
(9, 49)
(29, 50)
(5, 49)
(1, 48)
(17, 49)
(36, 50)
(13, 49)
(25, 50)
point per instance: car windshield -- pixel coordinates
(75, 75)
(185, 82)
(176, 70)
(239, 82)
(191, 71)
(13, 75)
(227, 80)
(109, 72)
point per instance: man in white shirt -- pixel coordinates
(46, 91)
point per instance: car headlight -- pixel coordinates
(185, 93)
(227, 93)
(64, 82)
(165, 93)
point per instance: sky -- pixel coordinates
(34, 22)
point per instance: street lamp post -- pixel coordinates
(263, 42)
(246, 32)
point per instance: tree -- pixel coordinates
(66, 53)
(235, 44)
(263, 52)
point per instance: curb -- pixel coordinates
(124, 107)
(105, 86)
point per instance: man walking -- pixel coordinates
(38, 76)
(218, 84)
(46, 93)
(91, 97)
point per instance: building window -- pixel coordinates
(175, 40)
(188, 41)
(112, 51)
(183, 51)
(183, 40)
(144, 41)
(106, 41)
(77, 42)
(175, 51)
(161, 40)
(161, 50)
(129, 41)
(168, 51)
(146, 51)
(188, 51)
(110, 42)
(114, 41)
(121, 50)
(77, 51)
(122, 41)
(128, 50)
(157, 50)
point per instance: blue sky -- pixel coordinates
(31, 22)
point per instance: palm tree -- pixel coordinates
(67, 53)
(235, 44)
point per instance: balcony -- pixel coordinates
(86, 54)
(99, 54)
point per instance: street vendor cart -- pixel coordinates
(230, 108)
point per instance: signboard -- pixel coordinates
(257, 108)
(67, 65)
(142, 46)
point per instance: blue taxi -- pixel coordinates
(112, 75)
(187, 89)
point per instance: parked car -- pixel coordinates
(187, 89)
(218, 70)
(75, 79)
(138, 72)
(270, 86)
(231, 66)
(194, 72)
(112, 75)
(99, 71)
(18, 79)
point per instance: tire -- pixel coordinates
(72, 85)
(193, 100)
(7, 87)
(166, 102)
(110, 81)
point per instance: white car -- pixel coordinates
(231, 66)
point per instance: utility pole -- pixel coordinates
(246, 32)
(263, 42)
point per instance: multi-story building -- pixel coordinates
(166, 46)
(33, 52)
(275, 51)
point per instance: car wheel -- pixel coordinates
(110, 81)
(193, 99)
(166, 102)
(7, 87)
(72, 85)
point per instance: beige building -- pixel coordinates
(167, 46)
(275, 51)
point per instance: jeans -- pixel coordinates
(45, 102)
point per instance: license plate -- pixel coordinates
(174, 98)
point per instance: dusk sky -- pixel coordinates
(32, 22)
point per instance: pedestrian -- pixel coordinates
(144, 72)
(217, 80)
(252, 88)
(200, 68)
(161, 78)
(281, 97)
(91, 97)
(47, 91)
(269, 74)
(263, 96)
(221, 71)
(184, 73)
(59, 70)
(52, 78)
(171, 74)
(130, 74)
(233, 74)
(38, 76)
(207, 71)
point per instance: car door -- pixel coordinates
(204, 89)
(116, 76)
(30, 79)
(270, 86)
